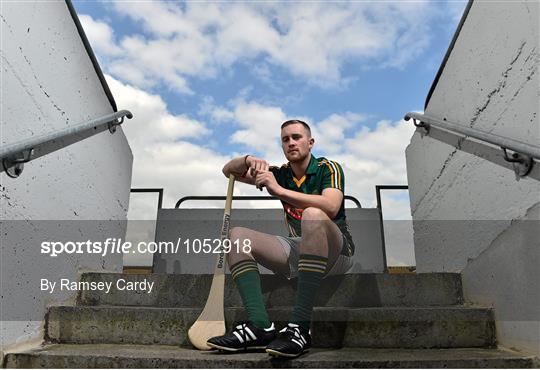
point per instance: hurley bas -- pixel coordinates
(106, 286)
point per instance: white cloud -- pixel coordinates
(153, 124)
(129, 72)
(165, 61)
(376, 157)
(244, 33)
(158, 17)
(259, 127)
(216, 113)
(384, 143)
(162, 155)
(312, 41)
(101, 35)
(369, 156)
(221, 114)
(330, 132)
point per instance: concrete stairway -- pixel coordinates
(361, 320)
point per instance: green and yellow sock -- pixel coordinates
(311, 269)
(248, 280)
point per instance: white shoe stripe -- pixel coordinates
(250, 333)
(297, 342)
(238, 336)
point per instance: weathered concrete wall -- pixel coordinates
(467, 209)
(48, 83)
(505, 276)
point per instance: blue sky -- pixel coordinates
(209, 81)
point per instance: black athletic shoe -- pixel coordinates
(244, 336)
(291, 341)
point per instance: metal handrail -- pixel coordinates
(151, 190)
(523, 153)
(247, 197)
(14, 156)
(378, 189)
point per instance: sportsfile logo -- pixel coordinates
(118, 246)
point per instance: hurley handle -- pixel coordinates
(226, 225)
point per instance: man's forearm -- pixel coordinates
(302, 200)
(236, 166)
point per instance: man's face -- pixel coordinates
(296, 142)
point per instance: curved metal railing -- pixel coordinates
(151, 190)
(13, 156)
(523, 153)
(247, 197)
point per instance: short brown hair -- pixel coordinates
(296, 121)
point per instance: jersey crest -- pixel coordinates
(295, 213)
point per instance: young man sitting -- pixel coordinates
(319, 243)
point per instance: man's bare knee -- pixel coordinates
(314, 214)
(238, 233)
(313, 223)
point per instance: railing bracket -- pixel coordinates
(14, 166)
(422, 125)
(522, 163)
(113, 124)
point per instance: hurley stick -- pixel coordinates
(211, 321)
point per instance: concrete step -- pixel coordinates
(159, 356)
(351, 290)
(398, 327)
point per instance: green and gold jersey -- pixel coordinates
(321, 173)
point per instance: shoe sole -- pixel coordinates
(273, 352)
(230, 349)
